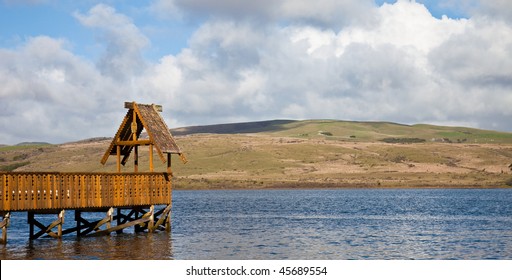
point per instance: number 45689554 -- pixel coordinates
(307, 270)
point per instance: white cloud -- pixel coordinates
(408, 24)
(49, 94)
(481, 56)
(330, 13)
(497, 8)
(398, 63)
(124, 41)
(325, 13)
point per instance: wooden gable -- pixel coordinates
(139, 117)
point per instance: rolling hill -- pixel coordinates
(360, 131)
(311, 153)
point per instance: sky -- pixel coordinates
(67, 67)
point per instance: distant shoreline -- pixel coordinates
(229, 185)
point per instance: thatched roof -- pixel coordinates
(146, 117)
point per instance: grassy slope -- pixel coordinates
(289, 154)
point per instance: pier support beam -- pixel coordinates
(141, 220)
(164, 222)
(46, 229)
(140, 217)
(84, 227)
(133, 218)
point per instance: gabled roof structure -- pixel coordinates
(138, 118)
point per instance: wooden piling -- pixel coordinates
(4, 224)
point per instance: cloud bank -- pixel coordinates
(349, 60)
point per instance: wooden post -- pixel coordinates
(118, 220)
(61, 222)
(134, 138)
(118, 152)
(151, 168)
(169, 171)
(137, 226)
(110, 213)
(31, 221)
(4, 224)
(168, 222)
(134, 125)
(136, 159)
(151, 222)
(78, 217)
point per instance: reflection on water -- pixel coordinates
(126, 246)
(302, 224)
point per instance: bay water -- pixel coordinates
(305, 224)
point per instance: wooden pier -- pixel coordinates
(126, 198)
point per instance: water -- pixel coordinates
(303, 224)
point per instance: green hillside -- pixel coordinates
(312, 153)
(354, 131)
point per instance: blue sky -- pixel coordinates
(55, 19)
(22, 19)
(74, 63)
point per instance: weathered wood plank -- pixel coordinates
(133, 142)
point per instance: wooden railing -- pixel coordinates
(25, 191)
